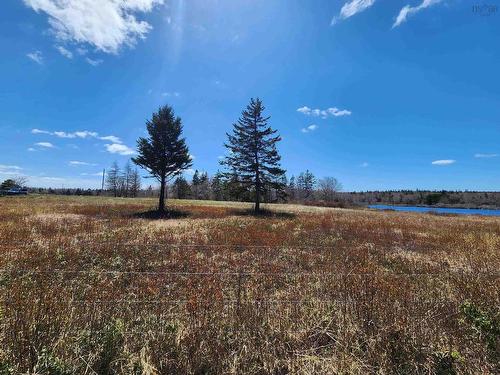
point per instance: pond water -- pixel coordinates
(441, 210)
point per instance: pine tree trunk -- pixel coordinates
(257, 193)
(161, 206)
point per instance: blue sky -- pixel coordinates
(380, 94)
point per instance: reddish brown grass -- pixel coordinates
(88, 286)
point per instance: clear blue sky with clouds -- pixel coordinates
(380, 94)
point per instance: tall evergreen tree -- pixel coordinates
(291, 191)
(305, 184)
(204, 186)
(135, 182)
(233, 188)
(216, 186)
(195, 184)
(181, 188)
(253, 154)
(164, 153)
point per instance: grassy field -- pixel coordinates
(99, 286)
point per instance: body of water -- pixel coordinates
(440, 210)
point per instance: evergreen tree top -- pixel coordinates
(252, 146)
(164, 152)
(253, 157)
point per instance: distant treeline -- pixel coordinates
(304, 188)
(422, 197)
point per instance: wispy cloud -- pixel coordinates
(82, 51)
(68, 182)
(91, 174)
(352, 8)
(83, 134)
(15, 167)
(115, 147)
(443, 162)
(93, 62)
(36, 56)
(38, 131)
(10, 170)
(106, 25)
(310, 128)
(42, 180)
(324, 113)
(485, 155)
(408, 10)
(78, 134)
(118, 148)
(63, 51)
(170, 94)
(111, 138)
(44, 144)
(76, 163)
(364, 164)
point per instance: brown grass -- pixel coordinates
(89, 285)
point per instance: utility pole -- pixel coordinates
(102, 184)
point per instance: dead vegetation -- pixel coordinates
(89, 285)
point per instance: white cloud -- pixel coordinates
(3, 167)
(170, 94)
(115, 147)
(339, 112)
(351, 8)
(67, 182)
(364, 164)
(408, 10)
(44, 144)
(443, 162)
(38, 131)
(76, 163)
(63, 51)
(10, 170)
(93, 62)
(91, 174)
(106, 25)
(78, 134)
(81, 51)
(118, 148)
(83, 134)
(310, 128)
(324, 113)
(485, 155)
(31, 149)
(36, 56)
(305, 110)
(111, 138)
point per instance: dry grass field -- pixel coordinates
(95, 286)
